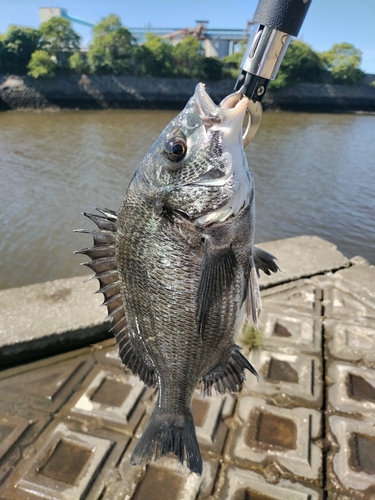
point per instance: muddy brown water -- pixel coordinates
(314, 174)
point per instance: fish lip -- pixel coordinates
(205, 105)
(211, 113)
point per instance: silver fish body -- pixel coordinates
(177, 266)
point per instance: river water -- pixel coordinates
(314, 174)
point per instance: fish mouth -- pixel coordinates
(229, 114)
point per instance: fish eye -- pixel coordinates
(175, 149)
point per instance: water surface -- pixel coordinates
(314, 174)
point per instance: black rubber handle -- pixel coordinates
(282, 15)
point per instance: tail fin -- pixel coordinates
(165, 433)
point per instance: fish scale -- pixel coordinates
(177, 268)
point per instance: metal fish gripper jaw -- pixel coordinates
(274, 24)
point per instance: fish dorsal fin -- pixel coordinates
(104, 263)
(217, 272)
(228, 376)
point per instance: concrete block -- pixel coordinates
(272, 434)
(290, 332)
(209, 414)
(164, 479)
(49, 318)
(343, 301)
(301, 257)
(354, 459)
(349, 341)
(45, 384)
(352, 389)
(241, 484)
(301, 296)
(361, 277)
(290, 378)
(167, 480)
(62, 468)
(106, 352)
(111, 397)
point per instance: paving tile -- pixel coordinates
(106, 352)
(62, 467)
(293, 379)
(164, 479)
(302, 296)
(351, 342)
(352, 390)
(242, 484)
(360, 277)
(45, 385)
(268, 433)
(111, 397)
(353, 461)
(343, 301)
(290, 332)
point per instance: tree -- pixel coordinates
(189, 57)
(59, 39)
(300, 64)
(41, 64)
(156, 56)
(112, 50)
(343, 61)
(77, 63)
(16, 47)
(212, 69)
(231, 63)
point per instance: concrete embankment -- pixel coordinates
(121, 92)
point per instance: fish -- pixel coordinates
(178, 269)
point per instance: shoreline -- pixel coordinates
(128, 92)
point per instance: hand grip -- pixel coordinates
(282, 15)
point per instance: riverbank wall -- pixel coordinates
(128, 92)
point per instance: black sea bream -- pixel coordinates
(177, 267)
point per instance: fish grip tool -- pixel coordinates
(274, 24)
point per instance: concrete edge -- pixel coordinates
(56, 343)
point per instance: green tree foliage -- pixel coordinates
(157, 56)
(300, 64)
(211, 69)
(16, 47)
(189, 57)
(343, 61)
(77, 63)
(59, 39)
(112, 50)
(41, 64)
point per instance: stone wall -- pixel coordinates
(111, 92)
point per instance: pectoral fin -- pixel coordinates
(264, 261)
(217, 272)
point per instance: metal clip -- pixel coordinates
(254, 112)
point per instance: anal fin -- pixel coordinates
(228, 376)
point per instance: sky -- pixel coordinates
(327, 21)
